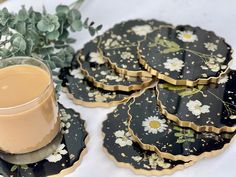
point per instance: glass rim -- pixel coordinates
(48, 70)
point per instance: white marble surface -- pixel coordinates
(216, 15)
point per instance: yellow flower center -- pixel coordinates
(154, 124)
(187, 36)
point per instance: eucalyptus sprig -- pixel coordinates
(42, 35)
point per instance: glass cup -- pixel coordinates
(33, 124)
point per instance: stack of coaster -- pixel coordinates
(107, 72)
(174, 91)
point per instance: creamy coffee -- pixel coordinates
(28, 109)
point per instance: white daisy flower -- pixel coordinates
(122, 138)
(187, 36)
(97, 57)
(174, 64)
(197, 108)
(77, 73)
(126, 55)
(210, 46)
(223, 80)
(57, 155)
(142, 30)
(154, 125)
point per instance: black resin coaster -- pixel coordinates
(97, 70)
(64, 160)
(153, 131)
(119, 45)
(120, 146)
(185, 55)
(82, 92)
(204, 108)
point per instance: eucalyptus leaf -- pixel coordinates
(62, 9)
(86, 23)
(70, 40)
(21, 27)
(4, 16)
(51, 64)
(30, 45)
(64, 35)
(92, 31)
(46, 50)
(99, 27)
(18, 43)
(3, 52)
(73, 15)
(77, 25)
(22, 15)
(53, 35)
(48, 23)
(91, 24)
(41, 34)
(58, 62)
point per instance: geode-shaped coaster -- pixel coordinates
(65, 159)
(82, 92)
(153, 131)
(120, 146)
(185, 55)
(97, 70)
(204, 108)
(119, 45)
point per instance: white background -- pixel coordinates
(216, 15)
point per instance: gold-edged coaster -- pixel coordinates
(83, 92)
(65, 159)
(96, 69)
(153, 131)
(185, 55)
(120, 147)
(119, 45)
(209, 108)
